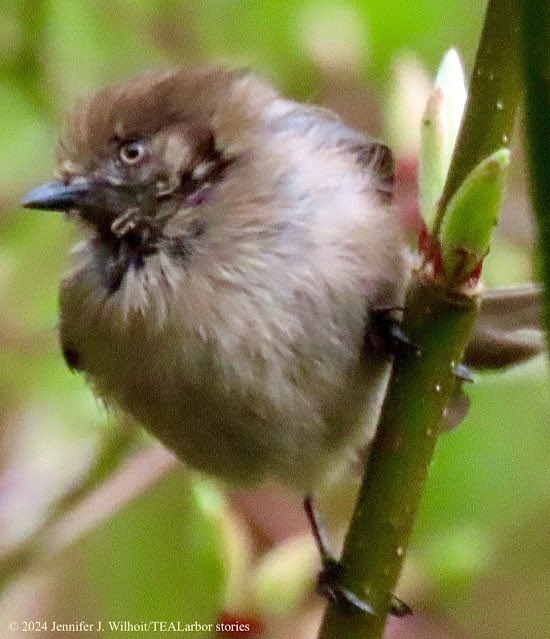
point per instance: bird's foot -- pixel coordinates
(329, 581)
(386, 333)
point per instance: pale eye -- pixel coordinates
(132, 152)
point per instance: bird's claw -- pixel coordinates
(464, 373)
(399, 608)
(329, 585)
(329, 581)
(387, 331)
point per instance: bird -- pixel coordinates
(235, 245)
(239, 251)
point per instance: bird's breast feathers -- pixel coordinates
(245, 352)
(247, 369)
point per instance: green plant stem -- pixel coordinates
(439, 316)
(401, 454)
(495, 87)
(535, 39)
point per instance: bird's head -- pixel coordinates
(137, 153)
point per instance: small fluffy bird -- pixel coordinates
(239, 249)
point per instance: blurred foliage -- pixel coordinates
(156, 558)
(166, 553)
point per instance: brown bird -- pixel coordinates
(238, 248)
(236, 243)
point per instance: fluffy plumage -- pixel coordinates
(245, 352)
(236, 246)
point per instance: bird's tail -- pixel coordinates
(509, 328)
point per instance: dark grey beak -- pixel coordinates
(56, 196)
(97, 201)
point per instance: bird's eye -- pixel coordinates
(132, 152)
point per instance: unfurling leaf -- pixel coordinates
(471, 216)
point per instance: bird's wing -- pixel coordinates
(509, 327)
(329, 131)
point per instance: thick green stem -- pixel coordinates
(401, 454)
(535, 27)
(438, 317)
(492, 99)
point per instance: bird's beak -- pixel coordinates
(57, 196)
(97, 201)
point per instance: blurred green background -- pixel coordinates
(176, 547)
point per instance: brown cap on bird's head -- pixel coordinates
(112, 140)
(133, 144)
(142, 106)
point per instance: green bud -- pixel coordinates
(440, 126)
(471, 215)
